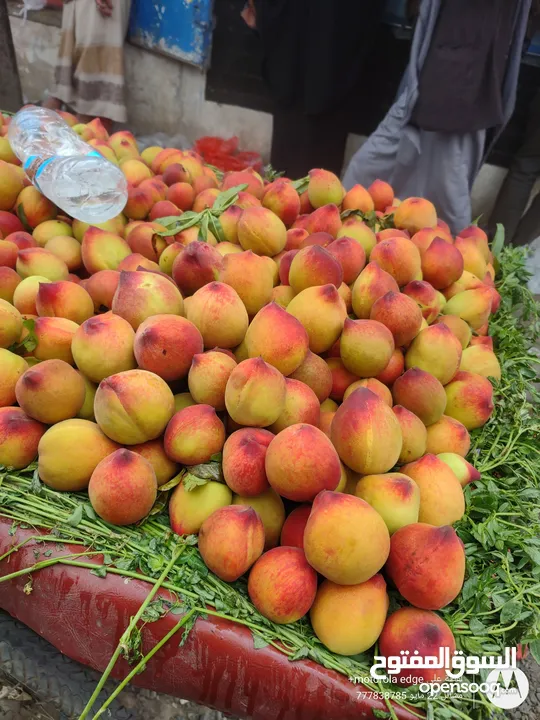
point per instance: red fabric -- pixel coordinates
(84, 616)
(224, 154)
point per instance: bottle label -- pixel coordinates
(34, 165)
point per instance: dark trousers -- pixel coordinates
(521, 229)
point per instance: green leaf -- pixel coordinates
(258, 642)
(207, 471)
(477, 627)
(89, 511)
(216, 457)
(534, 647)
(382, 714)
(510, 611)
(76, 516)
(477, 220)
(99, 571)
(227, 198)
(36, 487)
(301, 185)
(172, 483)
(498, 241)
(160, 504)
(301, 653)
(190, 482)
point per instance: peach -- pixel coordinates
(282, 199)
(87, 410)
(8, 254)
(34, 208)
(11, 324)
(300, 462)
(219, 314)
(278, 337)
(416, 632)
(255, 393)
(169, 255)
(333, 545)
(427, 564)
(463, 470)
(157, 189)
(301, 406)
(394, 496)
(11, 186)
(247, 177)
(49, 229)
(231, 540)
(371, 284)
(163, 209)
(269, 506)
(204, 182)
(115, 225)
(325, 219)
(134, 262)
(21, 240)
(38, 261)
(441, 496)
(480, 359)
(103, 346)
(154, 451)
(9, 281)
(469, 399)
(54, 338)
(285, 263)
(358, 230)
(414, 434)
(345, 294)
(174, 173)
(459, 327)
(435, 350)
(342, 379)
(474, 259)
(261, 231)
(136, 171)
(9, 222)
(282, 585)
(140, 295)
(205, 199)
(366, 433)
(415, 213)
(149, 153)
(228, 221)
(421, 393)
(19, 437)
(98, 129)
(382, 194)
(351, 256)
(393, 370)
(194, 434)
(349, 619)
(295, 237)
(358, 198)
(101, 287)
(467, 281)
(315, 373)
(400, 314)
(102, 250)
(182, 195)
(189, 509)
(375, 386)
(196, 266)
(208, 376)
(388, 233)
(244, 454)
(473, 232)
(448, 436)
(313, 266)
(251, 276)
(399, 257)
(292, 532)
(426, 297)
(442, 264)
(25, 293)
(123, 488)
(324, 188)
(473, 306)
(145, 240)
(50, 391)
(64, 299)
(133, 406)
(322, 312)
(11, 368)
(69, 453)
(67, 249)
(366, 347)
(247, 200)
(423, 238)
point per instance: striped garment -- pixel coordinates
(89, 72)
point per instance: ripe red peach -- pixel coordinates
(315, 373)
(102, 250)
(292, 532)
(19, 437)
(196, 266)
(38, 261)
(141, 295)
(415, 213)
(442, 264)
(314, 266)
(54, 338)
(448, 435)
(255, 393)
(427, 565)
(399, 257)
(103, 346)
(441, 495)
(9, 281)
(366, 347)
(278, 337)
(414, 434)
(394, 368)
(421, 393)
(427, 298)
(219, 314)
(394, 496)
(459, 327)
(281, 197)
(341, 378)
(375, 386)
(351, 255)
(322, 312)
(324, 188)
(251, 276)
(358, 230)
(50, 391)
(370, 285)
(208, 376)
(269, 506)
(244, 456)
(261, 231)
(358, 198)
(469, 399)
(473, 306)
(64, 299)
(381, 193)
(301, 406)
(154, 452)
(400, 314)
(437, 351)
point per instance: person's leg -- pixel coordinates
(518, 184)
(529, 226)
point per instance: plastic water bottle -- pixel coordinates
(68, 171)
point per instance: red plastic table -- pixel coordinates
(84, 616)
